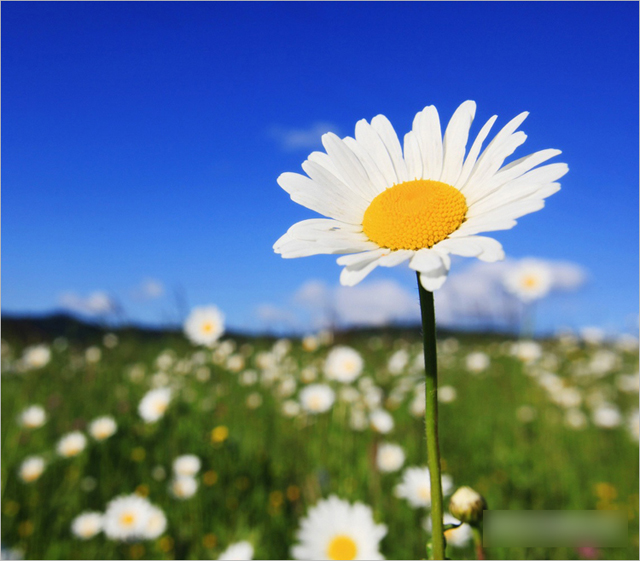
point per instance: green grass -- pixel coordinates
(262, 479)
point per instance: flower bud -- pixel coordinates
(467, 506)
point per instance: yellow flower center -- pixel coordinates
(414, 214)
(424, 493)
(207, 327)
(127, 519)
(529, 281)
(342, 547)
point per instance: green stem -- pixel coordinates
(431, 417)
(477, 540)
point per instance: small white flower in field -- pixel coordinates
(358, 420)
(627, 343)
(159, 379)
(31, 469)
(390, 457)
(592, 335)
(71, 444)
(87, 525)
(36, 356)
(93, 355)
(607, 416)
(467, 505)
(110, 340)
(239, 551)
(248, 378)
(633, 425)
(310, 343)
(336, 529)
(527, 351)
(103, 427)
(526, 414)
(450, 345)
(343, 364)
(254, 400)
(381, 421)
(373, 397)
(317, 398)
(603, 362)
(126, 518)
(165, 360)
(186, 465)
(529, 280)
(308, 374)
(418, 403)
(447, 394)
(154, 404)
(204, 326)
(456, 537)
(290, 408)
(550, 382)
(348, 394)
(386, 207)
(235, 363)
(156, 523)
(281, 348)
(575, 419)
(477, 362)
(398, 362)
(416, 486)
(628, 383)
(12, 553)
(567, 398)
(33, 417)
(184, 487)
(287, 387)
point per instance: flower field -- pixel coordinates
(227, 451)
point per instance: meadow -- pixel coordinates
(546, 424)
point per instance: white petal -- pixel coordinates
(476, 225)
(348, 165)
(352, 275)
(361, 259)
(370, 140)
(455, 142)
(388, 135)
(485, 249)
(433, 280)
(396, 257)
(412, 156)
(320, 198)
(428, 260)
(502, 218)
(334, 185)
(472, 157)
(427, 128)
(378, 182)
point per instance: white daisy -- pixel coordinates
(184, 487)
(528, 280)
(390, 457)
(385, 207)
(526, 351)
(335, 529)
(317, 398)
(204, 326)
(154, 404)
(343, 364)
(477, 362)
(456, 537)
(416, 486)
(36, 356)
(103, 427)
(127, 517)
(33, 417)
(398, 361)
(188, 465)
(87, 525)
(381, 421)
(240, 551)
(31, 469)
(71, 444)
(290, 408)
(156, 523)
(447, 394)
(607, 416)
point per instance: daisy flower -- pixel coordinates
(156, 523)
(381, 421)
(36, 356)
(477, 362)
(529, 280)
(240, 550)
(336, 529)
(456, 537)
(87, 525)
(31, 469)
(71, 444)
(154, 404)
(416, 486)
(390, 457)
(317, 398)
(103, 427)
(33, 417)
(204, 326)
(343, 364)
(187, 465)
(385, 205)
(127, 518)
(184, 487)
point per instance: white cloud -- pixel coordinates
(149, 289)
(97, 303)
(273, 315)
(297, 139)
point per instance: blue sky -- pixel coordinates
(143, 140)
